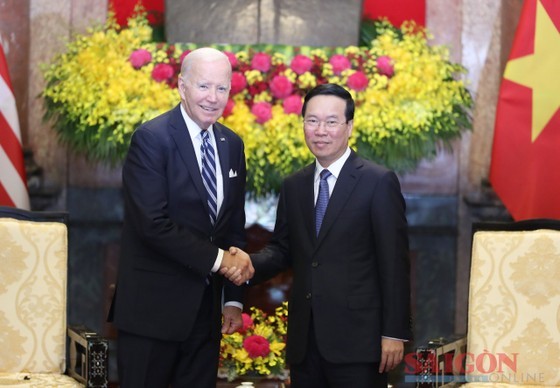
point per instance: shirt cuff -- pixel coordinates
(218, 262)
(234, 304)
(396, 339)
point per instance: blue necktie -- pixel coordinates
(322, 199)
(209, 175)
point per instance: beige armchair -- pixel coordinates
(33, 332)
(513, 333)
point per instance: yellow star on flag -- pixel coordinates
(539, 71)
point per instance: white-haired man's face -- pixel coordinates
(204, 90)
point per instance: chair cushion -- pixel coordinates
(514, 308)
(33, 271)
(32, 380)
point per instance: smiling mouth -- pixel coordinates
(208, 109)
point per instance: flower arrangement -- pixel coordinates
(409, 97)
(258, 348)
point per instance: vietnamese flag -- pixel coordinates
(525, 167)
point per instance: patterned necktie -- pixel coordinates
(322, 199)
(209, 175)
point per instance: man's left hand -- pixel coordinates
(232, 319)
(392, 352)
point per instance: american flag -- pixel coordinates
(13, 183)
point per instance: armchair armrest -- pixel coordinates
(441, 362)
(89, 357)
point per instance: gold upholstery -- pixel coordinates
(33, 275)
(513, 333)
(514, 306)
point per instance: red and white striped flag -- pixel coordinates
(13, 183)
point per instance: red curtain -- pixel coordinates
(124, 9)
(397, 11)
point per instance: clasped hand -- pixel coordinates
(237, 266)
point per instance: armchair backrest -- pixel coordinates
(33, 273)
(514, 304)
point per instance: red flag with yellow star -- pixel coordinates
(525, 167)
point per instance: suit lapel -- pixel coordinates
(185, 147)
(345, 184)
(307, 199)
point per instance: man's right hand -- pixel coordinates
(237, 266)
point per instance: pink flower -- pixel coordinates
(385, 66)
(247, 323)
(229, 108)
(256, 346)
(292, 104)
(238, 82)
(281, 87)
(232, 58)
(358, 81)
(139, 58)
(339, 63)
(262, 111)
(162, 72)
(261, 62)
(301, 63)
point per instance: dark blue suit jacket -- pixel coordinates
(354, 276)
(168, 242)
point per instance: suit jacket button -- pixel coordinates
(308, 296)
(314, 264)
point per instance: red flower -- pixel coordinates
(139, 58)
(281, 87)
(162, 72)
(261, 62)
(358, 81)
(385, 66)
(301, 63)
(229, 108)
(292, 104)
(232, 58)
(262, 111)
(256, 346)
(238, 82)
(339, 63)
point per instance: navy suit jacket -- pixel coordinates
(168, 242)
(354, 276)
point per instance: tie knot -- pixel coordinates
(205, 135)
(325, 174)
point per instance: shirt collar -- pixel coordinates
(335, 167)
(192, 127)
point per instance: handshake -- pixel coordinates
(236, 266)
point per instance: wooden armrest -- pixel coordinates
(441, 362)
(89, 357)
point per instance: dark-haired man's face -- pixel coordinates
(325, 128)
